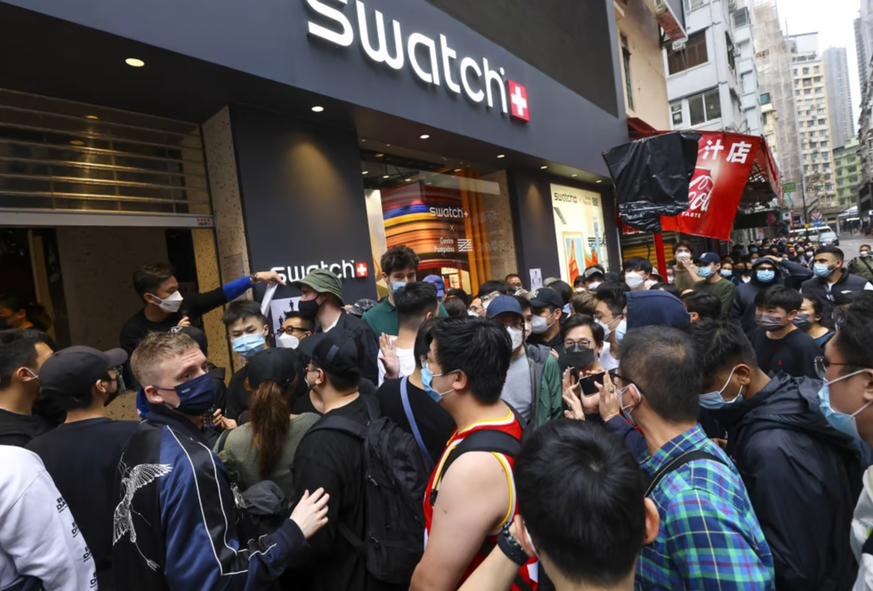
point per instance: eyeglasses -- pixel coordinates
(290, 330)
(585, 343)
(822, 364)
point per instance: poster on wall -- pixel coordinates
(579, 229)
(278, 309)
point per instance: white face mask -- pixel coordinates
(650, 283)
(288, 341)
(516, 335)
(580, 289)
(594, 285)
(633, 280)
(171, 304)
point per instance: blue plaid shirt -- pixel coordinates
(709, 536)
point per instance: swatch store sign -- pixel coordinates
(432, 62)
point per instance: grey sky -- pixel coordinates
(834, 22)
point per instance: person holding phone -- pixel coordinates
(583, 343)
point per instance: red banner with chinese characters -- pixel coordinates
(724, 162)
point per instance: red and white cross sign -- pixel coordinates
(518, 98)
(361, 270)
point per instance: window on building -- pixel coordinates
(741, 18)
(807, 91)
(704, 107)
(676, 114)
(694, 4)
(817, 70)
(765, 98)
(853, 179)
(748, 83)
(626, 59)
(730, 52)
(693, 54)
(806, 71)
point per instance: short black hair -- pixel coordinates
(33, 311)
(684, 243)
(614, 295)
(564, 290)
(662, 362)
(415, 300)
(149, 277)
(779, 296)
(854, 339)
(523, 302)
(18, 349)
(495, 285)
(512, 276)
(704, 303)
(480, 348)
(580, 280)
(455, 306)
(578, 320)
(581, 469)
(457, 292)
(668, 287)
(822, 308)
(867, 246)
(720, 345)
(306, 324)
(197, 334)
(638, 263)
(397, 258)
(831, 250)
(240, 309)
(420, 348)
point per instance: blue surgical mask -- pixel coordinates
(621, 330)
(822, 270)
(705, 272)
(249, 345)
(196, 396)
(714, 400)
(727, 273)
(766, 276)
(398, 285)
(427, 381)
(842, 422)
(753, 250)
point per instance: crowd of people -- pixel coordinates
(704, 426)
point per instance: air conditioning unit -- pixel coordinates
(679, 45)
(669, 22)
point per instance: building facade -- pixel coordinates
(299, 135)
(847, 160)
(841, 117)
(743, 20)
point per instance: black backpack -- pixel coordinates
(396, 479)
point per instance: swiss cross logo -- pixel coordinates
(518, 98)
(361, 270)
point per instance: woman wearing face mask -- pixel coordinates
(811, 320)
(583, 343)
(264, 448)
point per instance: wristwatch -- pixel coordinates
(511, 547)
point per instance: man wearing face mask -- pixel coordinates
(637, 271)
(22, 353)
(830, 276)
(703, 505)
(533, 383)
(416, 303)
(802, 475)
(765, 273)
(157, 286)
(294, 329)
(593, 277)
(685, 270)
(548, 308)
(247, 330)
(609, 314)
(322, 300)
(862, 265)
(779, 345)
(175, 521)
(709, 268)
(87, 447)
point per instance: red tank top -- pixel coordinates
(508, 424)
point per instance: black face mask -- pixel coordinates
(578, 357)
(308, 309)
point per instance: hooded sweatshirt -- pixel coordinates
(743, 310)
(802, 477)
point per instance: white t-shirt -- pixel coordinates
(607, 361)
(38, 534)
(407, 364)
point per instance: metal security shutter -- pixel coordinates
(68, 163)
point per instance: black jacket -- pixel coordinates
(367, 343)
(743, 310)
(848, 283)
(803, 478)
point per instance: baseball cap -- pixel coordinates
(502, 304)
(545, 297)
(71, 373)
(550, 280)
(276, 365)
(708, 258)
(362, 306)
(438, 283)
(335, 352)
(655, 308)
(322, 281)
(593, 271)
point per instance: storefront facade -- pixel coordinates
(330, 130)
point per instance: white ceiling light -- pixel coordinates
(574, 174)
(366, 172)
(425, 136)
(501, 155)
(543, 167)
(599, 181)
(386, 177)
(317, 109)
(379, 155)
(134, 62)
(91, 117)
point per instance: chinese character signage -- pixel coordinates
(724, 162)
(579, 230)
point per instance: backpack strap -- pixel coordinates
(489, 440)
(689, 456)
(222, 441)
(339, 423)
(407, 408)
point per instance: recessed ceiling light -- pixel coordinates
(408, 180)
(543, 167)
(425, 136)
(134, 62)
(363, 141)
(91, 117)
(379, 155)
(386, 176)
(77, 142)
(501, 155)
(599, 181)
(387, 145)
(366, 172)
(458, 169)
(574, 174)
(317, 109)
